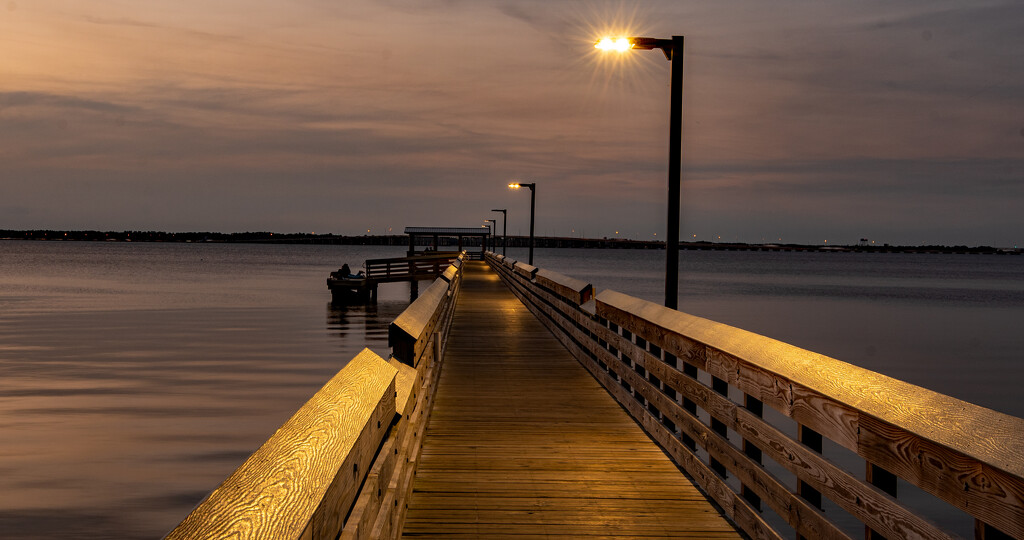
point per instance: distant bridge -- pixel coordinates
(517, 403)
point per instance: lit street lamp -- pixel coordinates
(504, 234)
(533, 205)
(673, 49)
(492, 225)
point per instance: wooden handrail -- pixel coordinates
(342, 466)
(399, 267)
(442, 256)
(319, 456)
(649, 356)
(409, 334)
(575, 290)
(450, 273)
(525, 270)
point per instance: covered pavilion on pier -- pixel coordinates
(458, 233)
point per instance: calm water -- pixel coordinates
(135, 377)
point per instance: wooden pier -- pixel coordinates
(516, 402)
(523, 441)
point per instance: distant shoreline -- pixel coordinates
(513, 241)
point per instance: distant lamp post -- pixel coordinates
(492, 224)
(673, 49)
(533, 206)
(504, 223)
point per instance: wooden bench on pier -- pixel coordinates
(519, 403)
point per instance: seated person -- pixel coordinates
(346, 273)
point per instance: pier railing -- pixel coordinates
(342, 466)
(428, 265)
(748, 417)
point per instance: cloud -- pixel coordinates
(318, 116)
(13, 100)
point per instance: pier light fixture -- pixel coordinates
(673, 49)
(504, 223)
(533, 206)
(623, 44)
(492, 225)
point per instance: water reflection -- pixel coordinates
(359, 326)
(134, 379)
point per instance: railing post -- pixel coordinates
(721, 387)
(883, 480)
(813, 440)
(437, 347)
(984, 531)
(690, 370)
(756, 407)
(665, 387)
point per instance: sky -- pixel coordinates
(899, 121)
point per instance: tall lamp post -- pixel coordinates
(533, 206)
(504, 223)
(673, 49)
(492, 225)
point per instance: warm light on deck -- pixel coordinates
(514, 185)
(620, 44)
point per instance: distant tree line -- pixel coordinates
(513, 241)
(162, 236)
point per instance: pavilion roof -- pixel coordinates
(448, 231)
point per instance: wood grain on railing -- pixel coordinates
(648, 357)
(299, 483)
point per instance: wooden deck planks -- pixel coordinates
(522, 441)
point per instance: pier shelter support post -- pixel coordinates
(414, 289)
